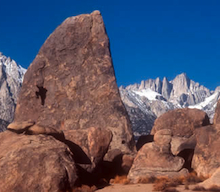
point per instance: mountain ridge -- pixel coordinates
(153, 97)
(11, 77)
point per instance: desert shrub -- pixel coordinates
(198, 188)
(85, 188)
(144, 180)
(163, 183)
(214, 188)
(193, 178)
(120, 180)
(170, 190)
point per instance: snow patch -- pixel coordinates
(148, 93)
(207, 101)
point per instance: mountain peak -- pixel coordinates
(11, 68)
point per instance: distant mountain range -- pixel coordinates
(144, 102)
(151, 98)
(11, 77)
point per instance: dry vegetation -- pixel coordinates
(165, 184)
(85, 188)
(211, 189)
(120, 180)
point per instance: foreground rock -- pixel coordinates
(217, 114)
(155, 159)
(89, 146)
(182, 122)
(214, 180)
(35, 163)
(206, 159)
(71, 83)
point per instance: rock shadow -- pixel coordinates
(42, 94)
(187, 155)
(143, 139)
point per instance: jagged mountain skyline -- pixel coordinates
(151, 98)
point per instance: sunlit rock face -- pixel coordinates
(71, 83)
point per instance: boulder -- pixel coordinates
(71, 84)
(214, 180)
(179, 144)
(216, 119)
(155, 159)
(89, 146)
(206, 159)
(181, 122)
(20, 126)
(143, 139)
(35, 163)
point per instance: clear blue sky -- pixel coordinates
(149, 38)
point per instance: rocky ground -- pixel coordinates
(140, 188)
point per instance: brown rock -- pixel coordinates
(214, 180)
(151, 160)
(179, 144)
(20, 126)
(127, 161)
(88, 146)
(35, 163)
(71, 83)
(216, 119)
(206, 157)
(163, 137)
(181, 122)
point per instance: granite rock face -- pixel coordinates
(206, 158)
(35, 163)
(89, 146)
(212, 181)
(71, 84)
(217, 114)
(156, 159)
(181, 122)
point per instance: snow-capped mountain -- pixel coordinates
(151, 98)
(11, 77)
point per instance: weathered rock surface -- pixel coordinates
(71, 83)
(155, 159)
(35, 163)
(217, 114)
(214, 180)
(206, 157)
(181, 122)
(20, 126)
(89, 146)
(179, 144)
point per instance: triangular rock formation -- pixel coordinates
(71, 83)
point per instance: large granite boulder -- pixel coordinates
(213, 181)
(217, 114)
(89, 146)
(182, 122)
(206, 159)
(71, 84)
(35, 163)
(155, 159)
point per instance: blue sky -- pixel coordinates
(148, 39)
